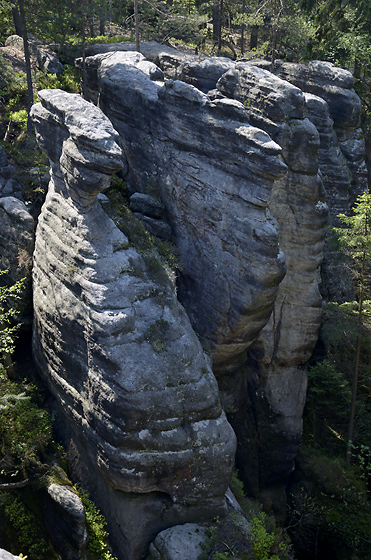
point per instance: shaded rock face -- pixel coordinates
(214, 174)
(275, 369)
(183, 541)
(65, 519)
(139, 402)
(16, 248)
(334, 108)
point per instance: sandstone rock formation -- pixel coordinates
(173, 148)
(65, 519)
(334, 108)
(183, 541)
(276, 377)
(140, 406)
(16, 248)
(214, 174)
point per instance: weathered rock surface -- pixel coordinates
(183, 542)
(200, 71)
(265, 400)
(334, 108)
(214, 174)
(5, 555)
(65, 519)
(276, 377)
(140, 402)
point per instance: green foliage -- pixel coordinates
(263, 540)
(25, 429)
(95, 523)
(354, 238)
(327, 406)
(157, 335)
(69, 80)
(158, 254)
(10, 297)
(27, 535)
(331, 509)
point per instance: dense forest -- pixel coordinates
(329, 506)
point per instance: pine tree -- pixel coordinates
(355, 241)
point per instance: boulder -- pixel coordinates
(139, 405)
(65, 519)
(46, 62)
(182, 542)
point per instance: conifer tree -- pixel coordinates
(355, 241)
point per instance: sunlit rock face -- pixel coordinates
(214, 173)
(275, 371)
(139, 403)
(225, 199)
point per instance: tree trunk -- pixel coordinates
(216, 21)
(220, 26)
(136, 19)
(28, 63)
(84, 93)
(356, 374)
(17, 21)
(274, 33)
(243, 28)
(254, 37)
(102, 25)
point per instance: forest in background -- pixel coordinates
(329, 511)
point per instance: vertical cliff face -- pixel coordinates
(263, 391)
(275, 370)
(334, 108)
(241, 176)
(214, 173)
(139, 402)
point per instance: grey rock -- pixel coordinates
(3, 159)
(65, 519)
(276, 376)
(147, 204)
(12, 187)
(199, 71)
(46, 62)
(5, 555)
(214, 176)
(341, 155)
(182, 542)
(137, 395)
(157, 227)
(16, 248)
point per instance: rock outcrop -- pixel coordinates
(16, 248)
(181, 161)
(46, 62)
(334, 108)
(214, 173)
(139, 403)
(276, 376)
